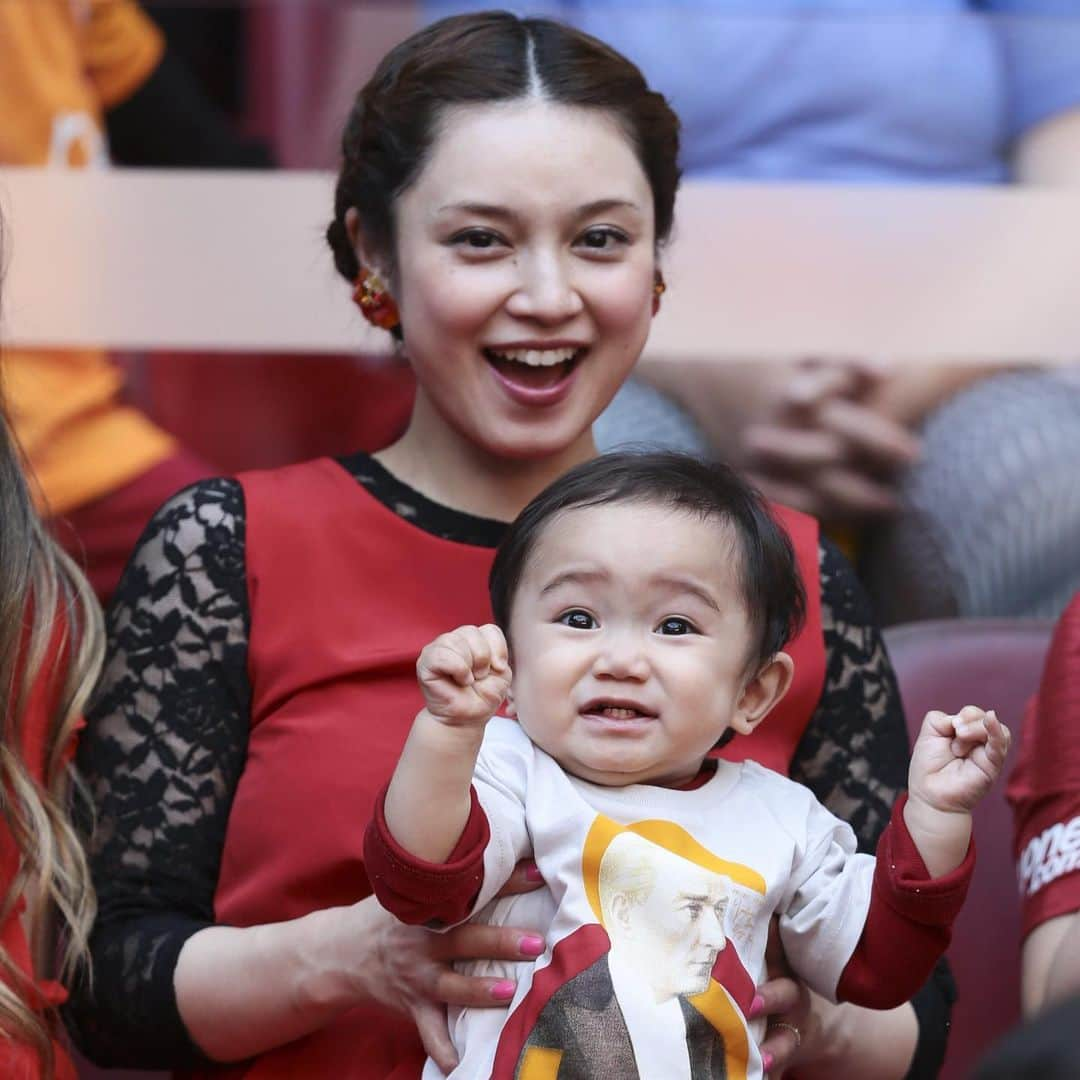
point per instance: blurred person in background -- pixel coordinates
(83, 82)
(50, 651)
(943, 475)
(1044, 790)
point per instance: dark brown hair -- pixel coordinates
(476, 59)
(769, 581)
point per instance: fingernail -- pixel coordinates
(503, 990)
(532, 873)
(755, 1007)
(767, 1061)
(531, 945)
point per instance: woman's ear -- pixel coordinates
(761, 692)
(365, 256)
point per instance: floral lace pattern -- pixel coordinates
(167, 739)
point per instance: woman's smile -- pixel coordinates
(535, 376)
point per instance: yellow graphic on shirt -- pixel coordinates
(540, 1063)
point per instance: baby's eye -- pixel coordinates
(578, 620)
(603, 238)
(674, 626)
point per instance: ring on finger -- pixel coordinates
(788, 1027)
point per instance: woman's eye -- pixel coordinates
(675, 626)
(605, 239)
(578, 620)
(477, 239)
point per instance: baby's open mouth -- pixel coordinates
(618, 711)
(534, 368)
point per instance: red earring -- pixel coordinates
(658, 290)
(374, 301)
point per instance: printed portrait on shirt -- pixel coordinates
(656, 984)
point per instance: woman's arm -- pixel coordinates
(162, 754)
(162, 757)
(1050, 963)
(854, 757)
(1049, 153)
(242, 992)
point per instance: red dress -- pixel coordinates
(18, 1061)
(335, 632)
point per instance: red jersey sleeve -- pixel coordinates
(425, 893)
(1044, 788)
(909, 924)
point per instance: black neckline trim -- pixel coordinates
(424, 513)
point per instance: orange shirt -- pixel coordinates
(62, 63)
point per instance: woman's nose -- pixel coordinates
(545, 292)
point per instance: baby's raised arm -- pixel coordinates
(955, 762)
(464, 676)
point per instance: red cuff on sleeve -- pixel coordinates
(909, 924)
(420, 892)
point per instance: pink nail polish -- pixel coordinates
(755, 1007)
(503, 990)
(767, 1062)
(531, 945)
(532, 873)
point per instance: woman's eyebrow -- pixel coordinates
(494, 210)
(480, 209)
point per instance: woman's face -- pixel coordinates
(525, 262)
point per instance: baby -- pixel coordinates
(647, 600)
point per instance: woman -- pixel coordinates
(50, 651)
(506, 188)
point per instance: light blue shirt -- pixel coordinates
(933, 91)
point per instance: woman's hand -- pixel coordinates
(786, 1004)
(832, 1040)
(412, 970)
(242, 991)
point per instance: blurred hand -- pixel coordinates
(810, 433)
(822, 447)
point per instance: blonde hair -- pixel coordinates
(50, 629)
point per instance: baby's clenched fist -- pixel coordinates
(957, 758)
(464, 675)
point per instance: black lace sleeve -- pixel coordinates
(162, 754)
(854, 757)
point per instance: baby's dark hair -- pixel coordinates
(769, 581)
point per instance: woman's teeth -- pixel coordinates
(534, 357)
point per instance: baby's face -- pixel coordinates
(630, 642)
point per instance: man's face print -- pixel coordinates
(681, 925)
(664, 914)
